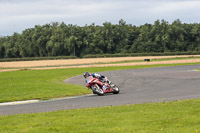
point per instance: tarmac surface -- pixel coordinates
(136, 86)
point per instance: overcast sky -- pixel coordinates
(18, 15)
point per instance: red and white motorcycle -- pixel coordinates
(97, 86)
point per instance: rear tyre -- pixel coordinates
(97, 90)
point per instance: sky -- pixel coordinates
(18, 15)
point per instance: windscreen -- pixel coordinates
(88, 79)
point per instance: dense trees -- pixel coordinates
(59, 39)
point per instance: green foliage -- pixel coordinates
(141, 54)
(59, 39)
(174, 117)
(37, 58)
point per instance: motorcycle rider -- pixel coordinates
(102, 78)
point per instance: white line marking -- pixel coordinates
(19, 102)
(35, 101)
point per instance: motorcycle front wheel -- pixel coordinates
(96, 89)
(115, 88)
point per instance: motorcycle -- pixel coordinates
(97, 86)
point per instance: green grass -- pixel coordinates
(2, 68)
(38, 84)
(48, 84)
(166, 117)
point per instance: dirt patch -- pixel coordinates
(80, 63)
(128, 64)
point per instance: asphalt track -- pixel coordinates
(136, 85)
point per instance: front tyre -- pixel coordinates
(115, 88)
(97, 90)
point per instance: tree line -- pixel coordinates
(59, 39)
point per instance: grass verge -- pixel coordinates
(166, 117)
(48, 84)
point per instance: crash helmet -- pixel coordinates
(86, 74)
